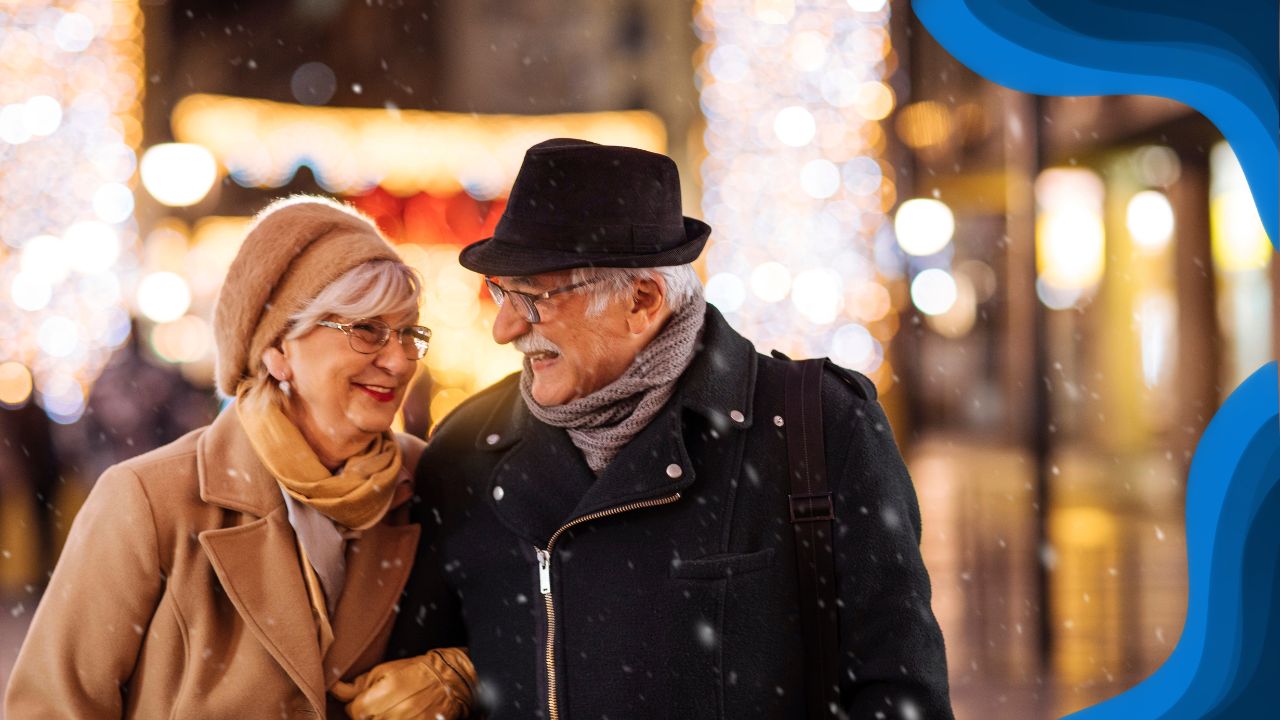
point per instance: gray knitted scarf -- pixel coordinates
(601, 423)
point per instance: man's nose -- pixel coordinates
(509, 324)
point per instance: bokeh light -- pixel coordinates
(163, 297)
(16, 384)
(1070, 236)
(1239, 239)
(933, 291)
(70, 121)
(178, 174)
(793, 95)
(1149, 217)
(924, 226)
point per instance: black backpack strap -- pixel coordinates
(812, 516)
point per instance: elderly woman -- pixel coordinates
(252, 568)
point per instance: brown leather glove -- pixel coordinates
(436, 685)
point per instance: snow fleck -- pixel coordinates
(890, 518)
(1159, 534)
(1048, 556)
(17, 610)
(706, 635)
(521, 599)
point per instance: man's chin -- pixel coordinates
(546, 394)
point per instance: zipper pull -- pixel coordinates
(544, 571)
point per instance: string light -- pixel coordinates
(70, 124)
(793, 95)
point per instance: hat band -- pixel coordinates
(624, 238)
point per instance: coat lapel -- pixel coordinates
(258, 567)
(378, 566)
(257, 563)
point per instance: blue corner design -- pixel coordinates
(1217, 57)
(1221, 59)
(1226, 663)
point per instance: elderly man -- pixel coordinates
(610, 530)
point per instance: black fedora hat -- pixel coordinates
(579, 204)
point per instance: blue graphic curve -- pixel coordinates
(1219, 58)
(1228, 647)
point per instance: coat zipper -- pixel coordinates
(544, 586)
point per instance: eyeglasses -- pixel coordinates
(369, 335)
(526, 304)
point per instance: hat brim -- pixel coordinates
(492, 256)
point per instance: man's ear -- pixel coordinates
(277, 364)
(648, 303)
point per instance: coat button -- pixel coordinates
(498, 492)
(777, 420)
(737, 416)
(493, 439)
(674, 471)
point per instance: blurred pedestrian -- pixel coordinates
(252, 568)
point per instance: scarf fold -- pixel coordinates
(319, 503)
(601, 423)
(356, 496)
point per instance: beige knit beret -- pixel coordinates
(294, 249)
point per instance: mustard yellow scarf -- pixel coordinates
(357, 496)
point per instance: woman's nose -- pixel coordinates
(392, 358)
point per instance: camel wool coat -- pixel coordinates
(179, 594)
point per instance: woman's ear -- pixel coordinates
(277, 364)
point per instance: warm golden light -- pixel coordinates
(15, 384)
(1238, 238)
(349, 150)
(1070, 236)
(924, 124)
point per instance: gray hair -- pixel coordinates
(373, 289)
(609, 284)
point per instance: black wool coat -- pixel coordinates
(669, 587)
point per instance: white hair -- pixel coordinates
(372, 289)
(608, 284)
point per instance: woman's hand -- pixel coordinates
(436, 685)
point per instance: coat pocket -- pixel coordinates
(724, 565)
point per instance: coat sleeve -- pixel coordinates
(84, 639)
(894, 663)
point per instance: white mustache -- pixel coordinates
(531, 343)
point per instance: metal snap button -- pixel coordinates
(737, 416)
(493, 439)
(777, 420)
(674, 471)
(498, 492)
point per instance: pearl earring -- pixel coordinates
(285, 388)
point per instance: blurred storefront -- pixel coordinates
(1053, 295)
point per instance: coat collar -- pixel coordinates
(230, 473)
(718, 385)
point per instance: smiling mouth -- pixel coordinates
(541, 358)
(381, 393)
